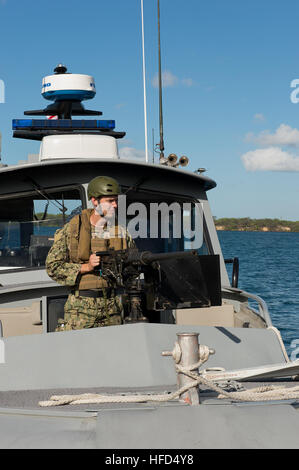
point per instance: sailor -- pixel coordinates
(72, 261)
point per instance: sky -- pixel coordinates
(230, 86)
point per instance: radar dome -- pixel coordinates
(68, 86)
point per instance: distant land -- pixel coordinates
(246, 224)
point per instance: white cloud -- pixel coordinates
(259, 117)
(126, 142)
(131, 153)
(168, 79)
(270, 159)
(187, 82)
(284, 135)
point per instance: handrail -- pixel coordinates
(263, 308)
(235, 273)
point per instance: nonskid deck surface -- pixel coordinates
(29, 399)
(214, 424)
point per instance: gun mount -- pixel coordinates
(151, 282)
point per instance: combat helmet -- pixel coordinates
(103, 186)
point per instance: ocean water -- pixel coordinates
(269, 267)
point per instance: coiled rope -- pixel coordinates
(263, 393)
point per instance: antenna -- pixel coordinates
(153, 134)
(144, 86)
(161, 145)
(2, 165)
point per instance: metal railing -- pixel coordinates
(263, 311)
(235, 273)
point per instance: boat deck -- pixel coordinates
(214, 424)
(29, 399)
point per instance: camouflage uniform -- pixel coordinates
(86, 312)
(81, 312)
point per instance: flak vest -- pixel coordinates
(82, 245)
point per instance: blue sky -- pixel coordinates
(228, 66)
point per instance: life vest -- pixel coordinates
(82, 245)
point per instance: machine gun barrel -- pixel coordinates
(146, 257)
(134, 256)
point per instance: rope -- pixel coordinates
(87, 398)
(263, 393)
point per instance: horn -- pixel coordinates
(183, 161)
(172, 159)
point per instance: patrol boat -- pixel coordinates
(194, 364)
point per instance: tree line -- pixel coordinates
(260, 225)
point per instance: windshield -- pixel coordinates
(158, 224)
(28, 224)
(164, 224)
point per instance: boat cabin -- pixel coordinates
(164, 207)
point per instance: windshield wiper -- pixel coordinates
(137, 185)
(43, 193)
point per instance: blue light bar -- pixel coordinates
(62, 124)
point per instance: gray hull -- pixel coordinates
(94, 361)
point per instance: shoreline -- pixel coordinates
(265, 230)
(246, 224)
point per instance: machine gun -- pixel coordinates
(151, 282)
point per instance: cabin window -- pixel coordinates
(164, 224)
(28, 223)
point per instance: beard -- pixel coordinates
(106, 211)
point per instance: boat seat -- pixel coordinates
(19, 321)
(39, 248)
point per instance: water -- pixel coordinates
(269, 267)
(10, 233)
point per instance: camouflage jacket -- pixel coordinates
(58, 263)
